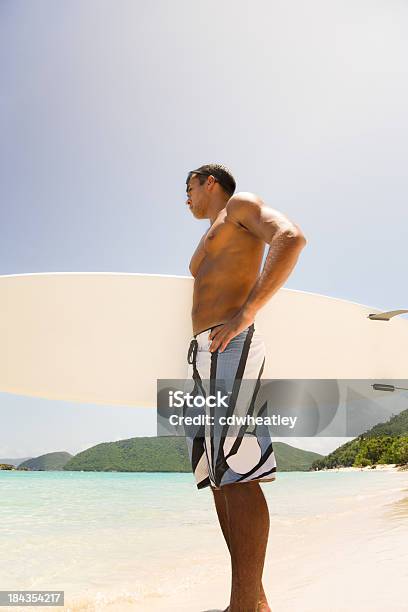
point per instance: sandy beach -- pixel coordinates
(380, 467)
(348, 561)
(135, 542)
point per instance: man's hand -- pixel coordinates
(222, 335)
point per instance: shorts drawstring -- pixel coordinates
(192, 359)
(192, 352)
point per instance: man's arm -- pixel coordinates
(286, 242)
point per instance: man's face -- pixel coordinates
(197, 197)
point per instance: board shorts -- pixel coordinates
(226, 454)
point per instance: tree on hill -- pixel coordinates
(384, 443)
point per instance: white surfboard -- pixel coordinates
(107, 338)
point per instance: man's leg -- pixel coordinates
(255, 512)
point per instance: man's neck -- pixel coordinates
(215, 208)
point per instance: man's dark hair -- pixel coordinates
(222, 175)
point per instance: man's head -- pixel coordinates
(207, 184)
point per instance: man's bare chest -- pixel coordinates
(225, 238)
(222, 235)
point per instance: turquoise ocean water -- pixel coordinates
(103, 536)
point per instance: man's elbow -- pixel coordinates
(295, 237)
(301, 239)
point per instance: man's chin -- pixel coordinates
(196, 214)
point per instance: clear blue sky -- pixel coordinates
(105, 105)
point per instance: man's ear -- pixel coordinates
(210, 182)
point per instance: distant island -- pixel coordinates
(49, 461)
(385, 443)
(13, 462)
(149, 454)
(167, 454)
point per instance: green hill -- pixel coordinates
(395, 426)
(292, 459)
(49, 461)
(384, 443)
(167, 454)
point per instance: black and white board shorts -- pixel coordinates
(229, 453)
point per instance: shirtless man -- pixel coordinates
(229, 289)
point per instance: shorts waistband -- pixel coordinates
(208, 329)
(201, 341)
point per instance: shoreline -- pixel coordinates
(379, 467)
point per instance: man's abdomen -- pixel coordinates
(218, 295)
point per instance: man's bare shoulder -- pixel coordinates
(244, 199)
(250, 211)
(246, 206)
(243, 204)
